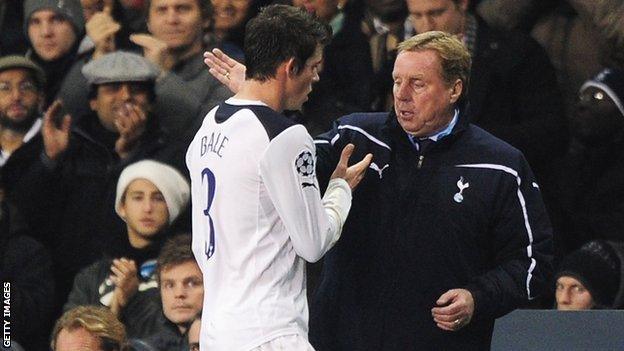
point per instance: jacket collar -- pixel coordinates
(395, 132)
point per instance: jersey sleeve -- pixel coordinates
(287, 169)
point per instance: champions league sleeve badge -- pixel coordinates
(461, 185)
(304, 164)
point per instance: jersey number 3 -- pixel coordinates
(209, 247)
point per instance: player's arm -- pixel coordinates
(288, 172)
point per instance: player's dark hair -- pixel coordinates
(279, 33)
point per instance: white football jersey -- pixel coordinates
(257, 214)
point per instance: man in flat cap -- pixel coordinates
(21, 97)
(70, 190)
(24, 263)
(54, 29)
(21, 100)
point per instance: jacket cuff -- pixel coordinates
(478, 300)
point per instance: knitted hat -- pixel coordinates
(168, 180)
(611, 81)
(120, 66)
(597, 266)
(16, 61)
(69, 9)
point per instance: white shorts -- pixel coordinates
(294, 342)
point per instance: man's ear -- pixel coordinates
(122, 210)
(456, 90)
(291, 68)
(93, 104)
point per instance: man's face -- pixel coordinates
(229, 14)
(51, 35)
(181, 291)
(443, 15)
(423, 101)
(325, 10)
(596, 117)
(115, 100)
(77, 340)
(20, 99)
(571, 295)
(144, 209)
(299, 84)
(176, 22)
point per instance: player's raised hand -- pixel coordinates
(353, 174)
(227, 70)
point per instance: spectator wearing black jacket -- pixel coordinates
(150, 196)
(586, 203)
(70, 188)
(181, 284)
(26, 275)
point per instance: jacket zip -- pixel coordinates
(421, 158)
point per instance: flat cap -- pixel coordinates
(16, 61)
(120, 66)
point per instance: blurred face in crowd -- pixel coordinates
(443, 15)
(572, 295)
(182, 292)
(596, 117)
(91, 7)
(300, 84)
(144, 209)
(115, 100)
(388, 11)
(52, 36)
(325, 10)
(178, 23)
(229, 14)
(78, 339)
(423, 101)
(20, 99)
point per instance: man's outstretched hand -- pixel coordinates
(354, 174)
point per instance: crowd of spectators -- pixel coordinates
(100, 98)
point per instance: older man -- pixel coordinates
(458, 236)
(447, 231)
(513, 91)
